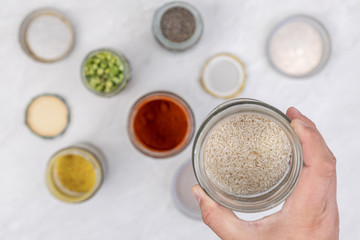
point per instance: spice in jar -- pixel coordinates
(104, 71)
(160, 124)
(177, 24)
(46, 35)
(75, 173)
(299, 46)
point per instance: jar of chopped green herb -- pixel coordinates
(105, 72)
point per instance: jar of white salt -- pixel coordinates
(47, 35)
(298, 46)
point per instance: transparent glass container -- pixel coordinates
(68, 115)
(160, 95)
(91, 154)
(37, 15)
(127, 71)
(255, 202)
(325, 39)
(177, 46)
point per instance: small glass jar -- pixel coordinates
(167, 96)
(177, 46)
(325, 41)
(255, 202)
(61, 192)
(127, 72)
(51, 114)
(223, 76)
(50, 36)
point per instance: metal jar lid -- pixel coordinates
(223, 76)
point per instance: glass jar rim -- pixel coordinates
(177, 100)
(256, 202)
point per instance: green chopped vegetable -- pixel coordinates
(104, 71)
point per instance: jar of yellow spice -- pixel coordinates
(74, 174)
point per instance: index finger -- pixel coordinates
(319, 162)
(315, 151)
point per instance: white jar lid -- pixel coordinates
(223, 76)
(183, 181)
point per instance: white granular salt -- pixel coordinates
(296, 48)
(246, 154)
(49, 37)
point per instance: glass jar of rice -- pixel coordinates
(246, 156)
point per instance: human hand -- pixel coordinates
(310, 212)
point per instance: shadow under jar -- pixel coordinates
(160, 124)
(253, 147)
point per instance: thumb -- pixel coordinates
(221, 220)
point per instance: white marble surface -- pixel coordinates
(134, 201)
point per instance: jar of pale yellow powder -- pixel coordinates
(74, 174)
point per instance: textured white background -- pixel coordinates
(134, 201)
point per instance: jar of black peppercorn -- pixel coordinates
(177, 26)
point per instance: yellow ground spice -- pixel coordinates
(75, 173)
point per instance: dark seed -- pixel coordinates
(177, 24)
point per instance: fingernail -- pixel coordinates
(297, 111)
(196, 194)
(298, 121)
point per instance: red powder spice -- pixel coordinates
(161, 124)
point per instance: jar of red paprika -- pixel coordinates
(160, 124)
